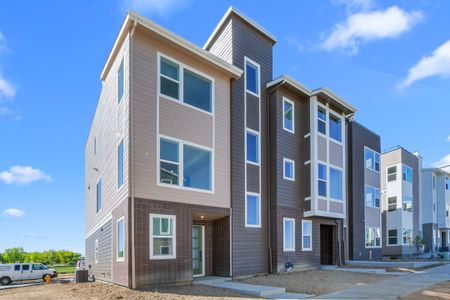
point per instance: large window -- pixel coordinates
(120, 240)
(392, 203)
(392, 237)
(288, 115)
(252, 147)
(120, 165)
(169, 162)
(322, 120)
(372, 196)
(120, 82)
(407, 174)
(407, 236)
(373, 237)
(288, 234)
(253, 211)
(407, 203)
(197, 90)
(96, 251)
(335, 184)
(392, 173)
(99, 195)
(288, 169)
(306, 235)
(372, 159)
(162, 236)
(322, 180)
(335, 128)
(252, 77)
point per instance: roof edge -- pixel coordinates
(287, 79)
(332, 95)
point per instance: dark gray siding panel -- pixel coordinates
(252, 112)
(102, 269)
(252, 178)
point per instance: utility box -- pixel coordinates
(446, 256)
(81, 276)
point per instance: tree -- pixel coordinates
(14, 255)
(418, 242)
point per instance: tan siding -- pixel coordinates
(336, 154)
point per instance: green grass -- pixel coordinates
(64, 269)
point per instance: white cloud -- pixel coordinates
(448, 138)
(13, 212)
(444, 161)
(354, 4)
(367, 26)
(438, 63)
(23, 175)
(162, 7)
(7, 90)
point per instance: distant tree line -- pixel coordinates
(49, 257)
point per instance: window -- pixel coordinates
(288, 234)
(407, 236)
(392, 203)
(120, 82)
(99, 195)
(392, 173)
(252, 77)
(162, 236)
(335, 128)
(37, 267)
(372, 196)
(407, 203)
(252, 147)
(120, 165)
(16, 267)
(96, 251)
(288, 115)
(372, 159)
(373, 236)
(288, 169)
(392, 237)
(322, 180)
(322, 120)
(197, 91)
(120, 240)
(252, 211)
(306, 235)
(446, 183)
(25, 267)
(197, 169)
(407, 174)
(434, 206)
(335, 184)
(168, 162)
(434, 182)
(169, 78)
(95, 146)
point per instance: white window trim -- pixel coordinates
(387, 236)
(97, 212)
(259, 210)
(255, 133)
(119, 259)
(375, 152)
(306, 235)
(287, 160)
(327, 191)
(180, 186)
(174, 237)
(337, 116)
(396, 173)
(320, 106)
(365, 242)
(258, 67)
(122, 63)
(285, 249)
(180, 82)
(293, 115)
(329, 182)
(96, 249)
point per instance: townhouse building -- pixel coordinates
(400, 184)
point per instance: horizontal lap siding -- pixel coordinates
(102, 269)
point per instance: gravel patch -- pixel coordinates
(438, 291)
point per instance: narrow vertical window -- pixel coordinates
(288, 234)
(288, 169)
(322, 180)
(446, 183)
(335, 125)
(96, 251)
(306, 235)
(168, 162)
(252, 77)
(407, 203)
(434, 182)
(392, 203)
(252, 147)
(162, 236)
(336, 184)
(99, 195)
(407, 174)
(392, 173)
(407, 236)
(392, 237)
(120, 240)
(372, 196)
(322, 120)
(169, 78)
(120, 83)
(372, 159)
(120, 165)
(288, 115)
(253, 211)
(95, 146)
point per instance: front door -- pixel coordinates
(198, 246)
(326, 245)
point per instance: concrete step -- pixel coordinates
(206, 280)
(249, 289)
(290, 296)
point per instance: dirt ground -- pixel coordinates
(317, 282)
(98, 290)
(435, 292)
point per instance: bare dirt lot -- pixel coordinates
(317, 282)
(438, 291)
(93, 291)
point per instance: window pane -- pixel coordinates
(335, 184)
(197, 91)
(120, 165)
(288, 234)
(369, 158)
(369, 196)
(377, 162)
(99, 195)
(335, 128)
(168, 150)
(251, 73)
(25, 267)
(156, 226)
(168, 173)
(120, 82)
(163, 246)
(307, 228)
(306, 242)
(392, 173)
(170, 69)
(407, 203)
(322, 172)
(252, 148)
(169, 88)
(120, 239)
(253, 210)
(288, 169)
(197, 168)
(288, 111)
(321, 114)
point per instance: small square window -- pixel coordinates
(253, 211)
(288, 169)
(252, 147)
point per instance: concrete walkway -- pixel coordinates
(396, 287)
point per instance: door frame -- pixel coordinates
(203, 252)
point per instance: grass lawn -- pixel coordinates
(64, 269)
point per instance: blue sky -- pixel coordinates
(391, 60)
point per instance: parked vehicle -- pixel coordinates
(24, 271)
(81, 265)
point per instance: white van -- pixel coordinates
(24, 271)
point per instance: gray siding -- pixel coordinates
(103, 268)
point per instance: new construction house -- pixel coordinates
(199, 162)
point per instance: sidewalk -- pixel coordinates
(394, 287)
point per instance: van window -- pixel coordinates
(38, 267)
(16, 267)
(25, 267)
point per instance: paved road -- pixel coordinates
(394, 287)
(19, 284)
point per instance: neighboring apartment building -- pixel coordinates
(400, 185)
(435, 205)
(364, 196)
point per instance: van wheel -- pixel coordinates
(5, 280)
(45, 275)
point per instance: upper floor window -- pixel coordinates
(120, 240)
(252, 147)
(162, 236)
(322, 180)
(372, 196)
(288, 234)
(392, 173)
(288, 169)
(169, 162)
(120, 165)
(120, 82)
(169, 78)
(335, 124)
(407, 174)
(322, 120)
(252, 77)
(306, 235)
(372, 159)
(288, 115)
(392, 203)
(336, 184)
(407, 203)
(253, 211)
(99, 195)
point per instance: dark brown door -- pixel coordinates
(326, 244)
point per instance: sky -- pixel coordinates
(390, 59)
